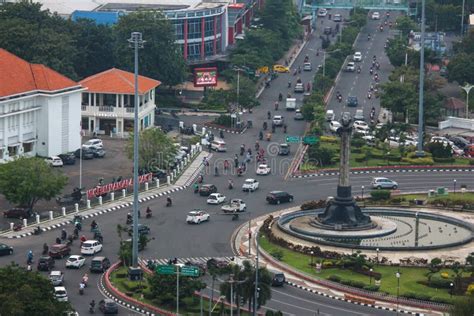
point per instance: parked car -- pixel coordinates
(352, 101)
(197, 216)
(283, 149)
(17, 212)
(384, 183)
(54, 161)
(361, 130)
(337, 18)
(60, 293)
(98, 152)
(99, 264)
(59, 251)
(91, 247)
(45, 263)
(278, 279)
(142, 230)
(250, 185)
(263, 169)
(370, 139)
(87, 153)
(215, 198)
(95, 142)
(5, 250)
(108, 306)
(68, 159)
(207, 189)
(56, 277)
(75, 261)
(459, 141)
(361, 124)
(298, 115)
(334, 126)
(278, 120)
(350, 67)
(322, 12)
(277, 197)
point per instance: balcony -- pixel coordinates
(114, 112)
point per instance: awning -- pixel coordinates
(14, 145)
(30, 141)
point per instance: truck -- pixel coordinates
(234, 206)
(290, 104)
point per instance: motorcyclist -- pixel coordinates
(269, 115)
(231, 184)
(58, 240)
(368, 37)
(358, 69)
(264, 126)
(221, 134)
(29, 257)
(93, 224)
(45, 249)
(289, 83)
(260, 135)
(276, 105)
(242, 150)
(284, 128)
(168, 201)
(85, 279)
(75, 233)
(81, 288)
(92, 306)
(63, 234)
(83, 239)
(148, 212)
(196, 187)
(280, 96)
(257, 146)
(216, 171)
(129, 218)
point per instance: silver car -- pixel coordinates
(384, 183)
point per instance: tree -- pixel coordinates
(406, 24)
(28, 293)
(163, 288)
(461, 68)
(246, 92)
(399, 97)
(161, 57)
(156, 150)
(463, 306)
(25, 181)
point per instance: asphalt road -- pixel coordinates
(174, 238)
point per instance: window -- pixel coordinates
(218, 24)
(194, 28)
(194, 50)
(178, 26)
(209, 48)
(218, 45)
(85, 99)
(209, 26)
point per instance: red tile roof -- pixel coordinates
(118, 81)
(19, 76)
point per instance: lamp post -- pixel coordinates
(312, 253)
(250, 233)
(370, 276)
(454, 186)
(378, 250)
(462, 16)
(363, 195)
(255, 294)
(420, 152)
(467, 88)
(397, 275)
(451, 285)
(136, 42)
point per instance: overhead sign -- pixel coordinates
(292, 139)
(165, 269)
(191, 271)
(205, 77)
(310, 140)
(123, 184)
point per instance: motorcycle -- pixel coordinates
(230, 186)
(168, 202)
(260, 135)
(289, 84)
(358, 70)
(37, 231)
(280, 97)
(269, 115)
(235, 217)
(148, 213)
(17, 227)
(129, 219)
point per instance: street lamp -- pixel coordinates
(451, 285)
(420, 152)
(467, 88)
(363, 195)
(324, 59)
(312, 253)
(397, 275)
(370, 276)
(454, 186)
(378, 250)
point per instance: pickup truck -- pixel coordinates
(235, 205)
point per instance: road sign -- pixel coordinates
(165, 269)
(310, 140)
(191, 271)
(292, 139)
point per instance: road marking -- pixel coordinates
(299, 307)
(274, 310)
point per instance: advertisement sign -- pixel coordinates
(101, 190)
(205, 77)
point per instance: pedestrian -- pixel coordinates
(226, 165)
(236, 162)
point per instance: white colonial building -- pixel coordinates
(108, 104)
(40, 110)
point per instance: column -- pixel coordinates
(203, 32)
(185, 35)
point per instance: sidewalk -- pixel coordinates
(184, 180)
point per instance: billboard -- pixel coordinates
(205, 77)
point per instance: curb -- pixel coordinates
(378, 170)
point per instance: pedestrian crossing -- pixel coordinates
(200, 260)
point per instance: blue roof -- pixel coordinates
(98, 17)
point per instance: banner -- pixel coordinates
(205, 77)
(101, 190)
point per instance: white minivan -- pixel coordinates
(330, 115)
(218, 145)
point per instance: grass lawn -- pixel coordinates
(408, 280)
(461, 197)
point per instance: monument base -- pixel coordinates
(343, 213)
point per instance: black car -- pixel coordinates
(278, 279)
(86, 153)
(68, 159)
(99, 264)
(207, 189)
(352, 101)
(157, 173)
(45, 263)
(276, 197)
(142, 230)
(459, 141)
(17, 212)
(108, 306)
(5, 250)
(284, 150)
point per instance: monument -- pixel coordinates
(343, 213)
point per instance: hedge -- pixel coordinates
(444, 160)
(373, 288)
(427, 161)
(378, 195)
(329, 139)
(416, 296)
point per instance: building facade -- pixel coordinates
(108, 104)
(39, 110)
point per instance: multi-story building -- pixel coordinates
(39, 110)
(108, 104)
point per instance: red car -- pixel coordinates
(59, 251)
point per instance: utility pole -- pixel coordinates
(462, 17)
(255, 294)
(420, 152)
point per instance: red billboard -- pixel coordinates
(205, 77)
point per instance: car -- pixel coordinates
(207, 189)
(370, 139)
(99, 264)
(384, 183)
(263, 169)
(327, 30)
(375, 15)
(330, 116)
(68, 159)
(59, 251)
(361, 124)
(56, 278)
(459, 141)
(142, 230)
(87, 153)
(108, 306)
(250, 185)
(350, 67)
(361, 130)
(54, 161)
(45, 263)
(334, 126)
(299, 88)
(379, 125)
(337, 18)
(17, 212)
(307, 66)
(218, 145)
(359, 115)
(278, 279)
(352, 101)
(298, 115)
(217, 263)
(98, 152)
(276, 197)
(322, 12)
(457, 151)
(75, 261)
(60, 293)
(197, 216)
(283, 149)
(278, 120)
(95, 142)
(357, 56)
(469, 151)
(5, 250)
(91, 247)
(215, 198)
(235, 205)
(280, 68)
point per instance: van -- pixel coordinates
(99, 264)
(330, 115)
(218, 145)
(290, 104)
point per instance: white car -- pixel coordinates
(95, 142)
(357, 56)
(337, 18)
(376, 16)
(60, 293)
(322, 12)
(370, 139)
(215, 198)
(91, 247)
(457, 151)
(334, 126)
(361, 124)
(250, 185)
(54, 161)
(379, 125)
(278, 120)
(350, 67)
(75, 261)
(197, 216)
(361, 130)
(263, 169)
(441, 139)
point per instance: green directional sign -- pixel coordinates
(191, 271)
(292, 139)
(310, 140)
(165, 269)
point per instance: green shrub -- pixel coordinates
(357, 151)
(471, 162)
(358, 284)
(329, 139)
(334, 278)
(277, 254)
(357, 142)
(120, 275)
(441, 300)
(224, 120)
(378, 195)
(444, 160)
(439, 150)
(439, 282)
(346, 282)
(425, 161)
(417, 296)
(373, 288)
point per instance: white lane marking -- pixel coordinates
(274, 310)
(299, 307)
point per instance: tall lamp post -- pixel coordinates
(363, 195)
(467, 88)
(136, 42)
(378, 250)
(420, 152)
(370, 276)
(451, 285)
(397, 275)
(454, 186)
(462, 16)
